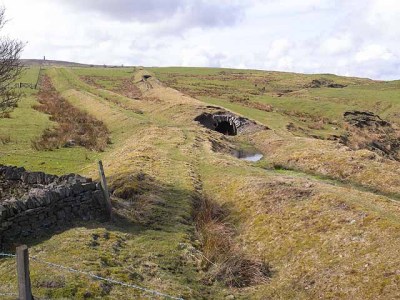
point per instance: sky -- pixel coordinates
(345, 37)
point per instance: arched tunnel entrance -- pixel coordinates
(226, 128)
(228, 123)
(224, 123)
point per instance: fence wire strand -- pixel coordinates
(110, 280)
(7, 255)
(8, 294)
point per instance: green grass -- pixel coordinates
(218, 86)
(25, 125)
(111, 72)
(151, 254)
(30, 75)
(322, 239)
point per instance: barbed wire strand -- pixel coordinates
(7, 254)
(8, 294)
(110, 280)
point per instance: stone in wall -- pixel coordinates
(34, 203)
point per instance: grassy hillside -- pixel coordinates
(313, 219)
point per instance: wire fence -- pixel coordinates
(90, 275)
(8, 294)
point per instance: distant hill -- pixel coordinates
(37, 62)
(60, 63)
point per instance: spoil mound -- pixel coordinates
(366, 130)
(364, 119)
(323, 82)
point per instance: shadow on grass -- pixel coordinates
(140, 203)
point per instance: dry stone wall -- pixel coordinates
(35, 203)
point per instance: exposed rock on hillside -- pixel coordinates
(366, 130)
(317, 83)
(364, 119)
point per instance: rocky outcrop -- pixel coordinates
(365, 119)
(323, 82)
(366, 130)
(37, 203)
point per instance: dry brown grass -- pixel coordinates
(5, 139)
(225, 259)
(75, 127)
(5, 115)
(136, 196)
(122, 86)
(384, 141)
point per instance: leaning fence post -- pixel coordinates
(24, 281)
(104, 187)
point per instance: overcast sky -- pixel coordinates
(346, 37)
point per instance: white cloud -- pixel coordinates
(337, 45)
(373, 52)
(347, 37)
(279, 48)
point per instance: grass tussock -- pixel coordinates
(75, 127)
(5, 115)
(136, 196)
(383, 141)
(5, 139)
(224, 258)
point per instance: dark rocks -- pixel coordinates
(362, 119)
(367, 130)
(323, 82)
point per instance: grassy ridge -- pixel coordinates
(320, 240)
(214, 85)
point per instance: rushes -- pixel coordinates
(225, 259)
(75, 127)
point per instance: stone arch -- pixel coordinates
(223, 123)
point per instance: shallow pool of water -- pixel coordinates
(252, 157)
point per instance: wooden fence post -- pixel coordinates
(24, 281)
(104, 187)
